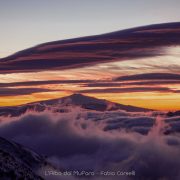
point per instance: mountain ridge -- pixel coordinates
(19, 162)
(85, 102)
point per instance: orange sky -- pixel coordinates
(147, 100)
(106, 72)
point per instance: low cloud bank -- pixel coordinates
(84, 140)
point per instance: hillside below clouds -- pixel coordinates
(146, 41)
(18, 162)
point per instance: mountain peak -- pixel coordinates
(60, 104)
(76, 95)
(80, 99)
(88, 102)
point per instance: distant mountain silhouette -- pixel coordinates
(92, 103)
(175, 113)
(60, 104)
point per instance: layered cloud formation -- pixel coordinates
(134, 43)
(131, 67)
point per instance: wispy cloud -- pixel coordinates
(21, 91)
(36, 83)
(149, 76)
(134, 83)
(131, 89)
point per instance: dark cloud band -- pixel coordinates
(21, 91)
(149, 76)
(128, 90)
(76, 53)
(36, 83)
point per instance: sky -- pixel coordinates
(27, 23)
(139, 67)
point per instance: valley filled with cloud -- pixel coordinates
(88, 140)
